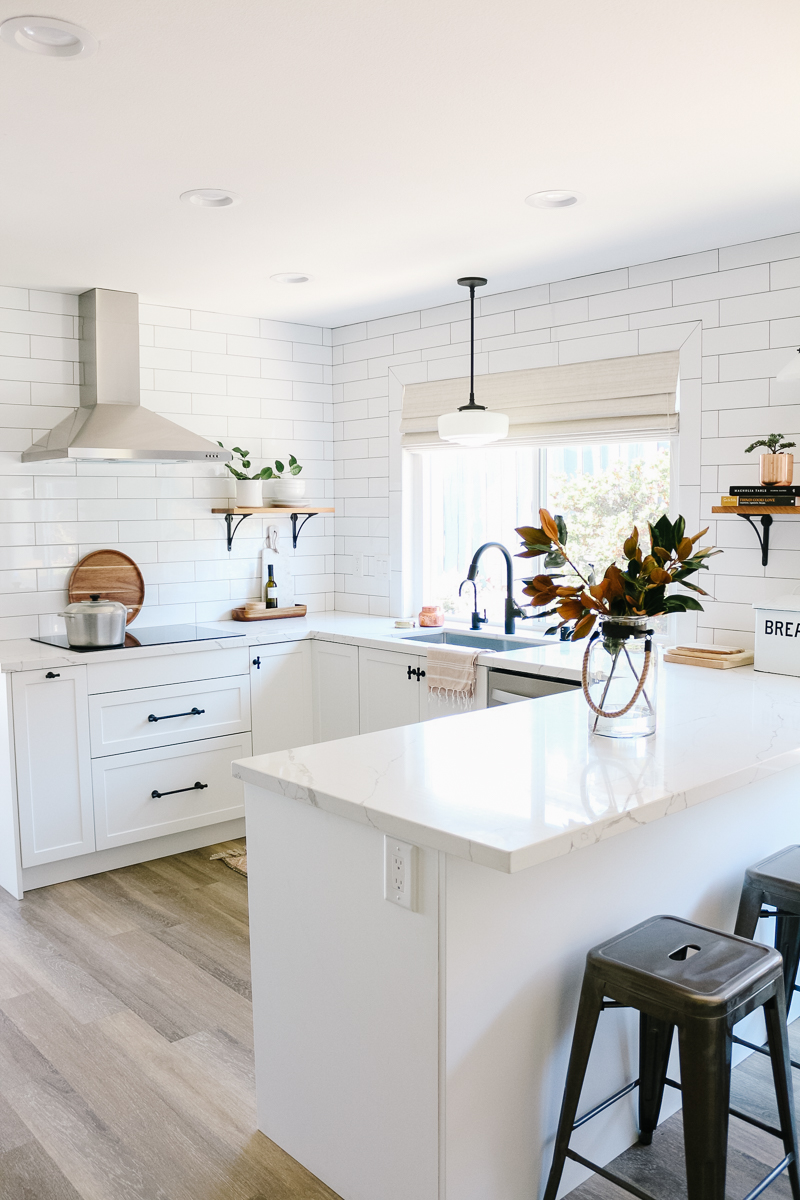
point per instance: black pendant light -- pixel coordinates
(472, 424)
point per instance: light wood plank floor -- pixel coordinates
(126, 1052)
(126, 1042)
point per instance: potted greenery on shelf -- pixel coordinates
(619, 658)
(249, 488)
(776, 467)
(286, 488)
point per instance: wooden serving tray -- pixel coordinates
(271, 614)
(723, 662)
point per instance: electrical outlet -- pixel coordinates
(358, 564)
(400, 873)
(382, 566)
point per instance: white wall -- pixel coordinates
(260, 384)
(735, 314)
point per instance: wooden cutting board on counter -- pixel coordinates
(113, 576)
(719, 658)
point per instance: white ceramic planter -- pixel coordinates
(288, 491)
(249, 493)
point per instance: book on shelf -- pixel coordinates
(734, 502)
(761, 489)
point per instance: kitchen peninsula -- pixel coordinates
(423, 1053)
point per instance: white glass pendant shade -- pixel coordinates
(473, 426)
(791, 371)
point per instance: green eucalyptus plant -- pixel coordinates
(265, 472)
(773, 443)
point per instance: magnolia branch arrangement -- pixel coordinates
(640, 590)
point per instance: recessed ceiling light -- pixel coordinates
(48, 35)
(553, 198)
(210, 198)
(290, 277)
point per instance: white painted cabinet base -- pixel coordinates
(126, 809)
(423, 1054)
(126, 856)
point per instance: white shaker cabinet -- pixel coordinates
(392, 689)
(281, 696)
(54, 770)
(335, 687)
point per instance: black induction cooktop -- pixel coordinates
(153, 635)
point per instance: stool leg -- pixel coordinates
(787, 942)
(778, 1042)
(705, 1047)
(749, 908)
(655, 1040)
(589, 1010)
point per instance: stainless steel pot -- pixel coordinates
(95, 622)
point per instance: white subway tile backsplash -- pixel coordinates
(224, 323)
(742, 282)
(630, 300)
(769, 250)
(589, 285)
(612, 345)
(664, 269)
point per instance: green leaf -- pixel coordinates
(554, 559)
(678, 530)
(292, 461)
(663, 533)
(279, 467)
(295, 470)
(561, 526)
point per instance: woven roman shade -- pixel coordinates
(610, 399)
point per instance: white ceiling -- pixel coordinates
(386, 146)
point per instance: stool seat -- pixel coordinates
(695, 970)
(700, 981)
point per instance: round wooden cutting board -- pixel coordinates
(111, 574)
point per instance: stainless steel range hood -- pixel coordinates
(110, 425)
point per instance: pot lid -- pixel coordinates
(94, 605)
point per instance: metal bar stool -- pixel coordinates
(702, 981)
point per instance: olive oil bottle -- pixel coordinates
(270, 589)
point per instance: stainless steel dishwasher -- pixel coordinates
(507, 687)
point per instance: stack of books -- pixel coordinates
(756, 495)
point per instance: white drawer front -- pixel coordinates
(163, 716)
(176, 667)
(125, 809)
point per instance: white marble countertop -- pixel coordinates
(514, 786)
(25, 654)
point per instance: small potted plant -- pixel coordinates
(248, 487)
(286, 487)
(776, 466)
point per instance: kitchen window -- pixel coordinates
(467, 497)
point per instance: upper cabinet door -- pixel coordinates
(280, 696)
(390, 689)
(54, 777)
(335, 674)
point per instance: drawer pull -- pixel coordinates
(195, 712)
(416, 673)
(52, 675)
(196, 787)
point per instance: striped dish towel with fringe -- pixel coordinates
(452, 672)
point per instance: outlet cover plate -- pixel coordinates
(400, 873)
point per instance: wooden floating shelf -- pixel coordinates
(287, 510)
(759, 510)
(766, 513)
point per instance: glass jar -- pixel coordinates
(613, 678)
(431, 616)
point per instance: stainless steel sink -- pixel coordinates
(479, 641)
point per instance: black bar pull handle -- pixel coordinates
(195, 712)
(53, 675)
(196, 787)
(257, 663)
(416, 673)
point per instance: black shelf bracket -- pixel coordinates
(232, 528)
(763, 537)
(295, 527)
